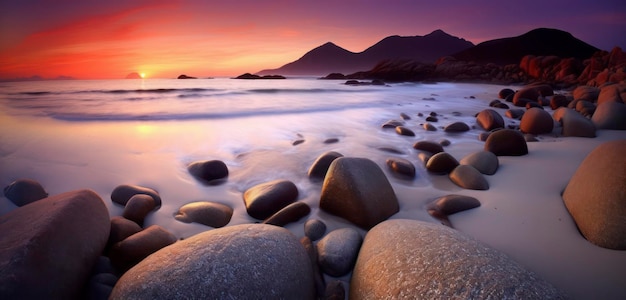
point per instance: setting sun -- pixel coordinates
(142, 75)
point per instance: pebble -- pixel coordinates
(441, 163)
(314, 229)
(264, 200)
(318, 169)
(122, 193)
(338, 250)
(211, 172)
(24, 191)
(401, 130)
(138, 207)
(468, 177)
(457, 127)
(484, 161)
(289, 214)
(430, 146)
(401, 166)
(208, 213)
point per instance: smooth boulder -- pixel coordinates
(573, 123)
(205, 212)
(122, 193)
(320, 166)
(596, 195)
(484, 161)
(289, 214)
(610, 115)
(489, 119)
(265, 199)
(401, 166)
(429, 146)
(138, 207)
(536, 121)
(447, 205)
(468, 177)
(138, 246)
(506, 142)
(50, 246)
(407, 258)
(250, 261)
(338, 250)
(24, 191)
(210, 172)
(441, 163)
(357, 190)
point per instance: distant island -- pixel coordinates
(253, 76)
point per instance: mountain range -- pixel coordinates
(330, 58)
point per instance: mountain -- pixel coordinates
(329, 58)
(538, 42)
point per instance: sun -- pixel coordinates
(142, 75)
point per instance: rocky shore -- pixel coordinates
(69, 246)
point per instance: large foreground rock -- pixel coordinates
(596, 196)
(251, 261)
(48, 247)
(357, 190)
(414, 259)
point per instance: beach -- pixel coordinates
(522, 214)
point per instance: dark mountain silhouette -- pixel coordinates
(330, 58)
(539, 42)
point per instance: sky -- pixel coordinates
(96, 39)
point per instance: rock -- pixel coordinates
(536, 121)
(266, 199)
(441, 163)
(138, 246)
(318, 169)
(297, 142)
(529, 138)
(49, 247)
(392, 124)
(501, 105)
(438, 263)
(250, 261)
(122, 193)
(314, 229)
(610, 115)
(585, 107)
(445, 142)
(525, 95)
(506, 142)
(291, 213)
(444, 206)
(401, 130)
(429, 127)
(432, 119)
(331, 140)
(483, 136)
(468, 177)
(429, 146)
(121, 228)
(484, 161)
(24, 191)
(204, 212)
(587, 93)
(489, 119)
(457, 127)
(100, 286)
(612, 93)
(210, 172)
(338, 250)
(558, 101)
(335, 291)
(183, 76)
(530, 105)
(505, 93)
(514, 113)
(596, 195)
(573, 123)
(318, 277)
(357, 190)
(401, 166)
(254, 76)
(138, 207)
(405, 116)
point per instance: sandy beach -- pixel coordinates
(521, 214)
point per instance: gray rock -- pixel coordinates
(536, 121)
(596, 195)
(251, 261)
(357, 190)
(457, 127)
(489, 119)
(468, 177)
(338, 250)
(506, 142)
(401, 166)
(50, 246)
(610, 115)
(314, 229)
(210, 172)
(573, 123)
(24, 191)
(407, 259)
(138, 207)
(432, 147)
(441, 163)
(289, 214)
(122, 193)
(401, 130)
(318, 169)
(484, 161)
(205, 212)
(138, 246)
(514, 113)
(266, 199)
(450, 204)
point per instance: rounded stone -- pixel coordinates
(438, 263)
(122, 193)
(447, 205)
(401, 166)
(526, 95)
(314, 229)
(24, 191)
(558, 101)
(457, 127)
(505, 93)
(338, 250)
(441, 163)
(610, 115)
(401, 130)
(318, 169)
(536, 121)
(429, 127)
(573, 123)
(392, 124)
(506, 142)
(138, 207)
(210, 171)
(468, 177)
(250, 261)
(138, 246)
(266, 199)
(514, 113)
(432, 147)
(204, 212)
(121, 228)
(596, 196)
(489, 119)
(484, 161)
(289, 214)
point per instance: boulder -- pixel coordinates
(250, 261)
(489, 119)
(429, 146)
(121, 228)
(596, 196)
(429, 127)
(122, 193)
(401, 130)
(558, 101)
(438, 263)
(587, 93)
(536, 121)
(205, 212)
(138, 246)
(484, 161)
(337, 251)
(441, 163)
(468, 177)
(138, 207)
(318, 277)
(314, 229)
(447, 205)
(24, 191)
(266, 199)
(401, 166)
(515, 113)
(210, 172)
(612, 93)
(289, 214)
(573, 123)
(357, 190)
(610, 115)
(525, 95)
(50, 246)
(506, 142)
(456, 127)
(318, 169)
(505, 93)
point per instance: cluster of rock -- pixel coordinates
(254, 76)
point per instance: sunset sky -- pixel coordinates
(90, 39)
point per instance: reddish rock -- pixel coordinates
(489, 119)
(264, 200)
(506, 142)
(536, 121)
(138, 246)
